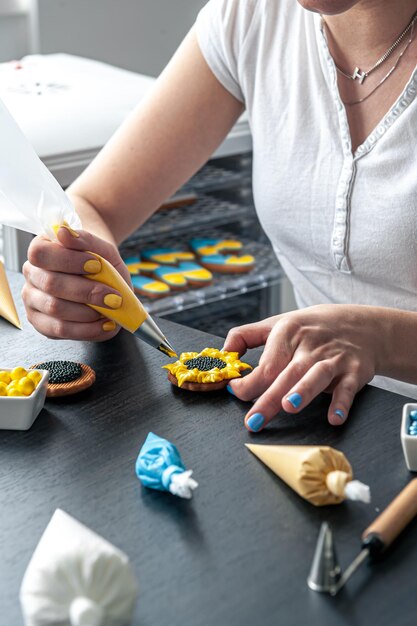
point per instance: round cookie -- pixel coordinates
(66, 377)
(167, 256)
(208, 370)
(172, 276)
(196, 275)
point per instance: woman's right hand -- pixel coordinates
(56, 292)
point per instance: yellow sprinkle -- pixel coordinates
(35, 375)
(17, 373)
(26, 386)
(15, 393)
(5, 377)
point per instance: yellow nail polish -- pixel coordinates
(73, 232)
(109, 325)
(113, 301)
(93, 266)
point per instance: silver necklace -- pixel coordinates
(350, 103)
(360, 74)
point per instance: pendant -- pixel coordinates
(359, 75)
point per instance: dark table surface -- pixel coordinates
(240, 551)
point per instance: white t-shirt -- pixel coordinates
(343, 225)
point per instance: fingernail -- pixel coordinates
(110, 325)
(295, 400)
(230, 390)
(70, 230)
(93, 266)
(113, 301)
(255, 422)
(340, 414)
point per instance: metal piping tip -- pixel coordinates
(151, 334)
(325, 570)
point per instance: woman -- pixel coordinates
(330, 92)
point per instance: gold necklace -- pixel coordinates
(361, 75)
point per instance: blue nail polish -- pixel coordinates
(256, 421)
(230, 390)
(295, 399)
(340, 414)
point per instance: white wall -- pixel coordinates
(139, 35)
(14, 36)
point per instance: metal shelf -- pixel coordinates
(266, 273)
(221, 173)
(205, 212)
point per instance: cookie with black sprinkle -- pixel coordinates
(66, 377)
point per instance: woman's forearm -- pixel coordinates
(398, 343)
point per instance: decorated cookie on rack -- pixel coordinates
(230, 264)
(208, 370)
(196, 275)
(172, 276)
(136, 266)
(213, 255)
(204, 247)
(145, 286)
(167, 256)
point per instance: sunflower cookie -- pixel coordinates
(66, 377)
(208, 370)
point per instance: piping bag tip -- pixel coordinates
(151, 334)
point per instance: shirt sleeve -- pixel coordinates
(222, 27)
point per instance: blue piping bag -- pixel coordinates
(159, 466)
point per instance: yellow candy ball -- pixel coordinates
(18, 373)
(14, 392)
(5, 377)
(12, 384)
(26, 386)
(3, 389)
(35, 375)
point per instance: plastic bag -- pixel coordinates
(31, 199)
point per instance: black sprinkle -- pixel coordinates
(205, 363)
(61, 371)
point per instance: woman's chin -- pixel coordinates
(328, 7)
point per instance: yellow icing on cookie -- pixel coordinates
(225, 244)
(240, 260)
(232, 368)
(142, 266)
(202, 274)
(156, 287)
(173, 257)
(175, 279)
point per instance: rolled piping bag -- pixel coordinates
(31, 199)
(319, 474)
(77, 578)
(159, 466)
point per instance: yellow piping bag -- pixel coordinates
(31, 199)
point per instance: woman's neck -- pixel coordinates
(361, 34)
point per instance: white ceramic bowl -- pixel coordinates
(409, 442)
(19, 413)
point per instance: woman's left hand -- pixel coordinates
(332, 347)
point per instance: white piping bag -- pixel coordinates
(30, 197)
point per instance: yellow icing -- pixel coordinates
(142, 266)
(156, 286)
(173, 257)
(131, 314)
(202, 274)
(225, 244)
(240, 260)
(183, 374)
(176, 279)
(7, 305)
